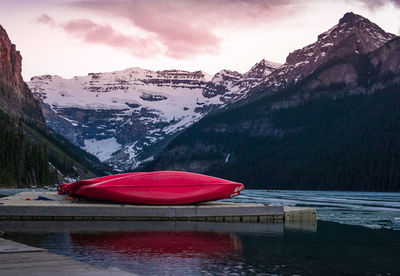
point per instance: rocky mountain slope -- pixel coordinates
(15, 96)
(31, 154)
(126, 117)
(336, 128)
(353, 34)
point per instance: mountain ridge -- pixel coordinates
(127, 117)
(120, 115)
(335, 129)
(353, 34)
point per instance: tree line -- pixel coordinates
(22, 162)
(351, 142)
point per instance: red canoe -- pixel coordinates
(158, 188)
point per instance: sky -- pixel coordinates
(76, 37)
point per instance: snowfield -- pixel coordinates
(119, 116)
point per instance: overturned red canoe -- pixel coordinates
(71, 188)
(159, 188)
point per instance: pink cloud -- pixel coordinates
(373, 4)
(188, 27)
(46, 19)
(93, 33)
(180, 28)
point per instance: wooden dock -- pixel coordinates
(26, 206)
(21, 259)
(24, 213)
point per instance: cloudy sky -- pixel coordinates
(71, 37)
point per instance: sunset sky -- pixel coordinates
(69, 37)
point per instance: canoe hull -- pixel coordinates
(157, 188)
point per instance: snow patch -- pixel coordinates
(327, 45)
(103, 149)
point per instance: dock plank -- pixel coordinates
(21, 259)
(7, 246)
(17, 207)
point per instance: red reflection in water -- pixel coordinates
(179, 243)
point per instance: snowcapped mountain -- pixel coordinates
(233, 86)
(261, 69)
(125, 117)
(353, 34)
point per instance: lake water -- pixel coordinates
(373, 210)
(356, 234)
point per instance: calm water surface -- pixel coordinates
(373, 210)
(357, 234)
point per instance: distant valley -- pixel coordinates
(328, 118)
(126, 117)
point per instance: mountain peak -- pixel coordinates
(268, 63)
(350, 17)
(262, 69)
(370, 35)
(353, 34)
